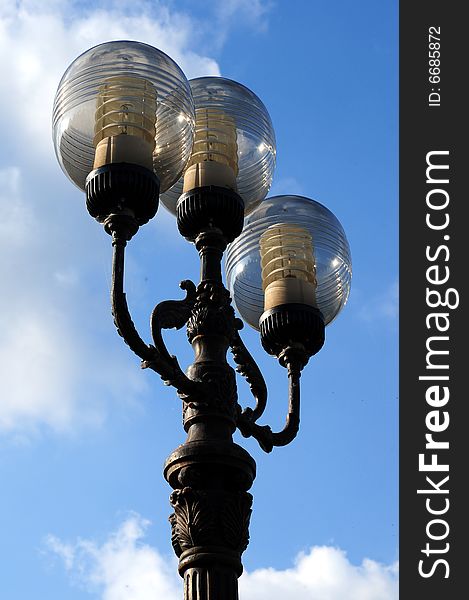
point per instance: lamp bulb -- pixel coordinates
(125, 122)
(288, 266)
(214, 158)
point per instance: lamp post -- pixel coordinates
(129, 127)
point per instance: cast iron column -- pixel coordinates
(209, 473)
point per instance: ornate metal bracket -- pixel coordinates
(175, 314)
(247, 367)
(169, 314)
(172, 314)
(294, 359)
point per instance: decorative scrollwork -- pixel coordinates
(212, 312)
(247, 367)
(172, 314)
(222, 398)
(210, 518)
(235, 518)
(120, 311)
(293, 360)
(192, 521)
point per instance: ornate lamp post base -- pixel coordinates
(212, 509)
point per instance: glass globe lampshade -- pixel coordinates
(123, 101)
(292, 249)
(234, 143)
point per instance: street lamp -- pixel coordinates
(129, 126)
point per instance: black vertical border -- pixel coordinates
(425, 128)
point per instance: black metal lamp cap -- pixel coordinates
(120, 187)
(292, 324)
(210, 206)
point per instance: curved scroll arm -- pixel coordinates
(248, 368)
(172, 314)
(263, 433)
(156, 358)
(120, 311)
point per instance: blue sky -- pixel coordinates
(84, 432)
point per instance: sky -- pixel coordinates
(83, 431)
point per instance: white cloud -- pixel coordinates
(239, 14)
(384, 305)
(125, 567)
(324, 573)
(38, 41)
(16, 218)
(254, 12)
(37, 369)
(55, 326)
(48, 350)
(121, 567)
(286, 186)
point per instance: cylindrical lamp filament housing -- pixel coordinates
(288, 266)
(214, 159)
(125, 122)
(234, 145)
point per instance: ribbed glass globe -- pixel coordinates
(333, 264)
(225, 99)
(114, 88)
